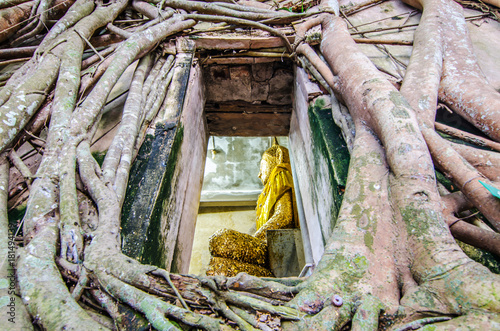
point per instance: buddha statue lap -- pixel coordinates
(232, 251)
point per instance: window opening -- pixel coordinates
(229, 196)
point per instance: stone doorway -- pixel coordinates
(313, 145)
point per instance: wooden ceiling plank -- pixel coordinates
(248, 125)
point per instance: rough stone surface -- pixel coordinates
(269, 83)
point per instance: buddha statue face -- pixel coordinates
(270, 159)
(266, 166)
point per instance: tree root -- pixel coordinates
(152, 308)
(421, 323)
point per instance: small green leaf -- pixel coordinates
(493, 190)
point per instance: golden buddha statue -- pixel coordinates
(232, 251)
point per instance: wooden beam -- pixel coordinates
(237, 42)
(245, 107)
(239, 60)
(248, 124)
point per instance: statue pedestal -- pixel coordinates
(286, 252)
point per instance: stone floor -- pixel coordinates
(207, 224)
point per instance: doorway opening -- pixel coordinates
(229, 195)
(165, 237)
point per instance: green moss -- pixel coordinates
(401, 105)
(320, 103)
(485, 258)
(150, 184)
(15, 217)
(142, 220)
(415, 220)
(387, 7)
(352, 269)
(329, 145)
(361, 262)
(369, 240)
(154, 247)
(134, 182)
(447, 183)
(356, 210)
(328, 137)
(99, 157)
(159, 321)
(410, 128)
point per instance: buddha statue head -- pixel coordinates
(273, 156)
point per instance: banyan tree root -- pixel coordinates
(347, 285)
(390, 261)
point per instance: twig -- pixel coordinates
(226, 311)
(320, 66)
(57, 43)
(26, 20)
(274, 302)
(21, 197)
(28, 32)
(422, 322)
(7, 62)
(409, 26)
(10, 53)
(383, 42)
(80, 285)
(240, 21)
(385, 29)
(306, 64)
(118, 31)
(246, 301)
(96, 140)
(107, 302)
(254, 54)
(34, 137)
(468, 216)
(410, 13)
(361, 6)
(302, 28)
(89, 44)
(250, 318)
(166, 275)
(138, 20)
(468, 137)
(213, 8)
(94, 58)
(384, 50)
(19, 164)
(221, 27)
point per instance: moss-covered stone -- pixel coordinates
(15, 217)
(154, 245)
(149, 185)
(447, 183)
(99, 157)
(152, 175)
(485, 258)
(329, 143)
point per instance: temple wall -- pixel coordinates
(159, 213)
(191, 162)
(314, 164)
